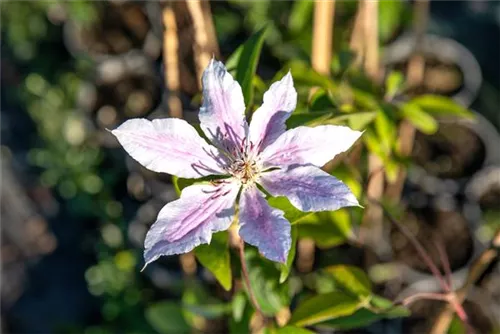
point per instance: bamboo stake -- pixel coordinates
(371, 232)
(171, 61)
(356, 43)
(321, 57)
(205, 42)
(415, 76)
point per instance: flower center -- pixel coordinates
(244, 169)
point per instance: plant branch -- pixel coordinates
(425, 295)
(477, 269)
(416, 244)
(454, 300)
(443, 258)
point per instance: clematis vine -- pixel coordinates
(259, 155)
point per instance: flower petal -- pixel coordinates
(183, 224)
(263, 226)
(305, 145)
(308, 188)
(170, 146)
(222, 115)
(268, 122)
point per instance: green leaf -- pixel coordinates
(386, 131)
(457, 326)
(361, 318)
(304, 75)
(270, 295)
(285, 268)
(292, 214)
(352, 280)
(356, 121)
(324, 307)
(366, 316)
(419, 118)
(238, 305)
(393, 84)
(309, 119)
(386, 308)
(390, 19)
(216, 258)
(441, 106)
(320, 101)
(180, 183)
(167, 318)
(293, 329)
(300, 15)
(241, 324)
(233, 60)
(208, 311)
(247, 63)
(327, 229)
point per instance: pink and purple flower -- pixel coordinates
(262, 154)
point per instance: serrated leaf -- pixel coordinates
(352, 280)
(247, 64)
(285, 268)
(216, 258)
(419, 118)
(324, 307)
(292, 214)
(167, 318)
(441, 106)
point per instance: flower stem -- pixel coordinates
(244, 274)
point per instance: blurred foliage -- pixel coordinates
(70, 159)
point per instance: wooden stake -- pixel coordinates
(321, 57)
(205, 42)
(171, 61)
(371, 232)
(415, 76)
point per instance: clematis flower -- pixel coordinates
(284, 163)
